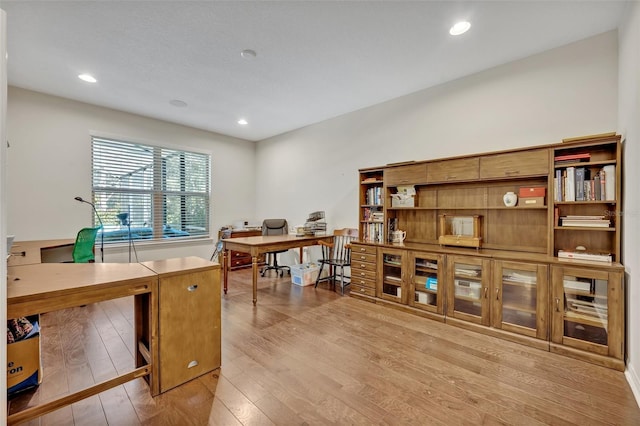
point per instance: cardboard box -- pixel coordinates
(531, 201)
(23, 362)
(402, 201)
(532, 191)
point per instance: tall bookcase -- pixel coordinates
(371, 205)
(512, 277)
(586, 196)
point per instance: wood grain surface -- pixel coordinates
(309, 356)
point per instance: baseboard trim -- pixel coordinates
(634, 381)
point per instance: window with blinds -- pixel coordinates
(148, 192)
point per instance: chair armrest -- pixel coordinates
(324, 243)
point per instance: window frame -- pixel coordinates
(158, 194)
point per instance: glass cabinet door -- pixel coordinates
(588, 311)
(468, 289)
(390, 285)
(581, 308)
(425, 283)
(520, 298)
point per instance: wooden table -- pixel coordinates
(39, 288)
(264, 244)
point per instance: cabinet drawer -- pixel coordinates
(362, 249)
(526, 163)
(369, 291)
(406, 175)
(189, 326)
(362, 273)
(453, 170)
(363, 258)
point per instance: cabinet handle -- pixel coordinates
(363, 249)
(486, 289)
(557, 304)
(497, 294)
(512, 172)
(192, 364)
(362, 290)
(451, 177)
(193, 287)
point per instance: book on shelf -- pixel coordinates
(583, 255)
(585, 184)
(571, 158)
(370, 180)
(588, 221)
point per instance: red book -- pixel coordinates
(573, 157)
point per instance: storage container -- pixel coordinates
(304, 274)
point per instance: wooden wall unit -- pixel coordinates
(522, 290)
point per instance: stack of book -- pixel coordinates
(584, 255)
(585, 221)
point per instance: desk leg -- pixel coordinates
(225, 268)
(254, 265)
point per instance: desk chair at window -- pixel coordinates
(83, 249)
(337, 255)
(275, 227)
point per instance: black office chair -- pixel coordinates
(274, 227)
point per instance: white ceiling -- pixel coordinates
(315, 59)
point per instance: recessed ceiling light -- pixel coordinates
(88, 78)
(243, 122)
(460, 28)
(178, 103)
(248, 54)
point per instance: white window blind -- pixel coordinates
(149, 192)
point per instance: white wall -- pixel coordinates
(565, 92)
(50, 163)
(628, 125)
(3, 208)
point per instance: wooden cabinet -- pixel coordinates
(533, 162)
(467, 289)
(189, 319)
(461, 169)
(406, 174)
(363, 270)
(391, 275)
(238, 260)
(588, 314)
(501, 286)
(519, 296)
(426, 282)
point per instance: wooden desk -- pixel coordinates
(28, 252)
(264, 244)
(40, 288)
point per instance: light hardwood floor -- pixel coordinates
(310, 356)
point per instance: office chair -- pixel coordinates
(337, 255)
(274, 227)
(83, 249)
